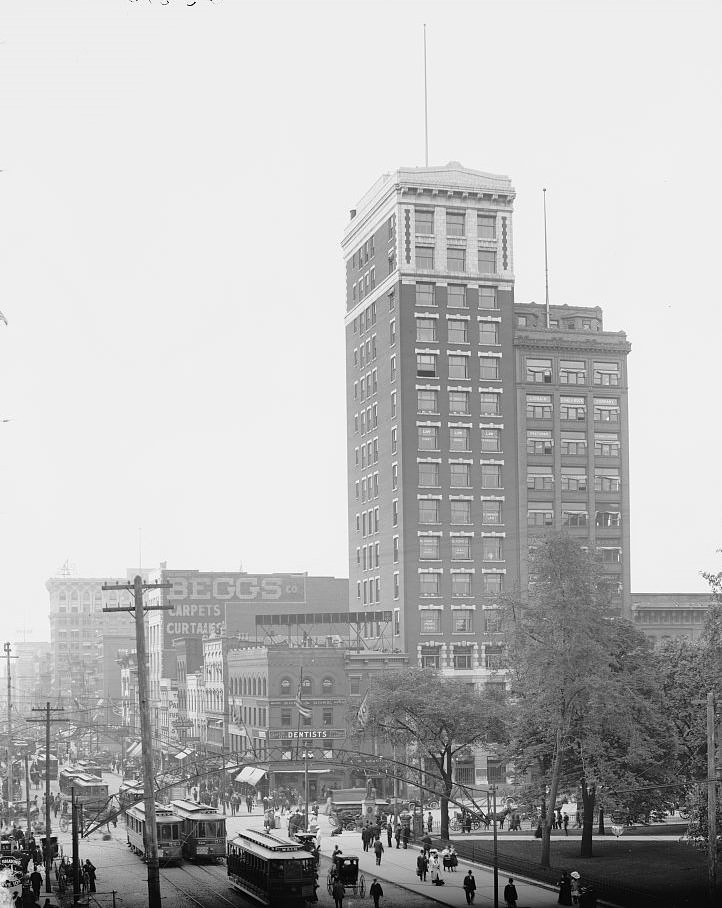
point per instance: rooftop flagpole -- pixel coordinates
(546, 259)
(426, 108)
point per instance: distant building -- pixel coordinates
(670, 616)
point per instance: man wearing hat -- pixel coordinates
(510, 895)
(376, 892)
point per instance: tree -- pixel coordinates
(583, 688)
(438, 715)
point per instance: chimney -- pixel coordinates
(352, 213)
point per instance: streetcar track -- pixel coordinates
(216, 893)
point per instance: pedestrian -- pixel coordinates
(426, 842)
(389, 832)
(422, 866)
(566, 824)
(378, 850)
(435, 868)
(560, 821)
(397, 834)
(565, 889)
(429, 822)
(337, 892)
(405, 836)
(36, 881)
(576, 886)
(454, 858)
(469, 887)
(467, 824)
(376, 892)
(510, 895)
(89, 869)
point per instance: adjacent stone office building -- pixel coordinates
(463, 443)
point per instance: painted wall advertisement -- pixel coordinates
(204, 604)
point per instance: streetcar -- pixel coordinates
(203, 830)
(130, 792)
(90, 791)
(168, 832)
(271, 869)
(67, 778)
(41, 761)
(92, 767)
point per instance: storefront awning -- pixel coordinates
(251, 775)
(134, 751)
(183, 754)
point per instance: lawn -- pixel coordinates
(656, 872)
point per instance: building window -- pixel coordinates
(428, 511)
(491, 512)
(425, 295)
(285, 687)
(392, 297)
(430, 621)
(491, 441)
(613, 555)
(427, 401)
(430, 660)
(456, 259)
(539, 478)
(540, 515)
(538, 406)
(458, 367)
(606, 410)
(488, 333)
(285, 718)
(574, 479)
(487, 261)
(489, 367)
(606, 479)
(327, 717)
(486, 226)
(428, 438)
(572, 408)
(424, 221)
(458, 331)
(459, 403)
(489, 403)
(460, 475)
(491, 548)
(425, 258)
(462, 659)
(539, 442)
(429, 475)
(461, 584)
(394, 476)
(395, 549)
(574, 444)
(462, 621)
(487, 298)
(461, 548)
(491, 476)
(393, 404)
(459, 438)
(492, 622)
(572, 372)
(395, 512)
(426, 365)
(493, 584)
(455, 223)
(429, 584)
(495, 769)
(392, 332)
(521, 321)
(606, 374)
(396, 593)
(426, 330)
(392, 367)
(460, 513)
(574, 518)
(429, 548)
(606, 445)
(539, 370)
(456, 296)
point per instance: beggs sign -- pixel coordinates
(199, 600)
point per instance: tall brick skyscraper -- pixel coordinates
(465, 440)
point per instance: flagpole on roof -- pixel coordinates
(546, 259)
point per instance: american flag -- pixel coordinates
(303, 710)
(362, 717)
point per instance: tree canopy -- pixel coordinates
(586, 708)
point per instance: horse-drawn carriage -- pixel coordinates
(345, 868)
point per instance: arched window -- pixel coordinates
(264, 688)
(244, 687)
(307, 687)
(254, 687)
(285, 687)
(327, 685)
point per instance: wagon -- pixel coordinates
(345, 868)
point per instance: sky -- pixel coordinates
(175, 183)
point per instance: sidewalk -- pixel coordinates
(399, 866)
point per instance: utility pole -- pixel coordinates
(11, 794)
(711, 799)
(27, 796)
(47, 720)
(137, 587)
(496, 853)
(76, 856)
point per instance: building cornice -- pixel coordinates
(589, 342)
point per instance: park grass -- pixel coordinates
(670, 873)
